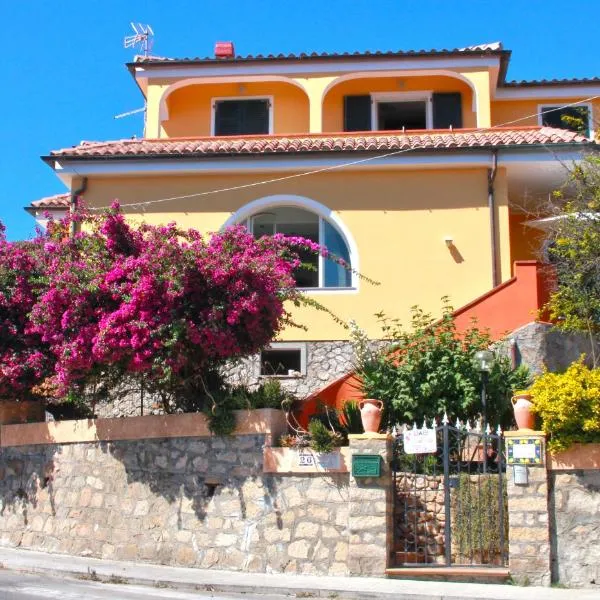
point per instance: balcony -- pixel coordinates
(286, 105)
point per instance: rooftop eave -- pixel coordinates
(144, 72)
(69, 168)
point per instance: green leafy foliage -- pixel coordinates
(321, 438)
(349, 418)
(569, 405)
(430, 370)
(269, 394)
(225, 399)
(574, 250)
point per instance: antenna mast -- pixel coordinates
(142, 37)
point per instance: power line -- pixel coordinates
(333, 167)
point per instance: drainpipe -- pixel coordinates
(492, 210)
(73, 205)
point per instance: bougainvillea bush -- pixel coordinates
(117, 300)
(24, 359)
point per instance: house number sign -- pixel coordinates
(524, 451)
(325, 461)
(420, 441)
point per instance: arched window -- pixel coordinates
(296, 216)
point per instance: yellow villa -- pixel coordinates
(420, 168)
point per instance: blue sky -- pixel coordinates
(63, 62)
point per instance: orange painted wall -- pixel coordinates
(525, 242)
(333, 104)
(525, 294)
(525, 111)
(190, 107)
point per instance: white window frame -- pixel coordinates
(321, 259)
(246, 212)
(587, 105)
(213, 110)
(301, 346)
(382, 97)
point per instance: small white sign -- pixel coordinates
(420, 441)
(524, 450)
(331, 460)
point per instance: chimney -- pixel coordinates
(224, 50)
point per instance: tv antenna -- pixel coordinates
(142, 37)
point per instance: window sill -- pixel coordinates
(298, 376)
(329, 290)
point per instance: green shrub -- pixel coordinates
(269, 394)
(349, 418)
(568, 405)
(430, 370)
(321, 439)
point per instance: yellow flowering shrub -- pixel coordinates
(569, 405)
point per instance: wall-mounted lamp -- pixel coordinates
(448, 241)
(242, 88)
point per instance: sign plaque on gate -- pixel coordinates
(525, 450)
(420, 441)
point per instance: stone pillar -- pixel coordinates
(529, 559)
(370, 509)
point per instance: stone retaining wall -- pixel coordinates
(575, 527)
(201, 502)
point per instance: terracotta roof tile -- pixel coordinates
(493, 48)
(550, 82)
(316, 143)
(56, 201)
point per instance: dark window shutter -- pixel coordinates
(241, 117)
(255, 116)
(447, 110)
(228, 118)
(357, 113)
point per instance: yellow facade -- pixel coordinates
(525, 112)
(399, 218)
(399, 221)
(182, 109)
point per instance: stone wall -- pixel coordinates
(202, 502)
(575, 527)
(540, 344)
(370, 509)
(529, 537)
(325, 362)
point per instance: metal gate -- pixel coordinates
(450, 505)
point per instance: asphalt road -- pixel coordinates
(20, 586)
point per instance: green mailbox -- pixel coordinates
(366, 465)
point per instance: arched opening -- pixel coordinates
(415, 90)
(298, 216)
(188, 108)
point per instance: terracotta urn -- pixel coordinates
(523, 405)
(370, 414)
